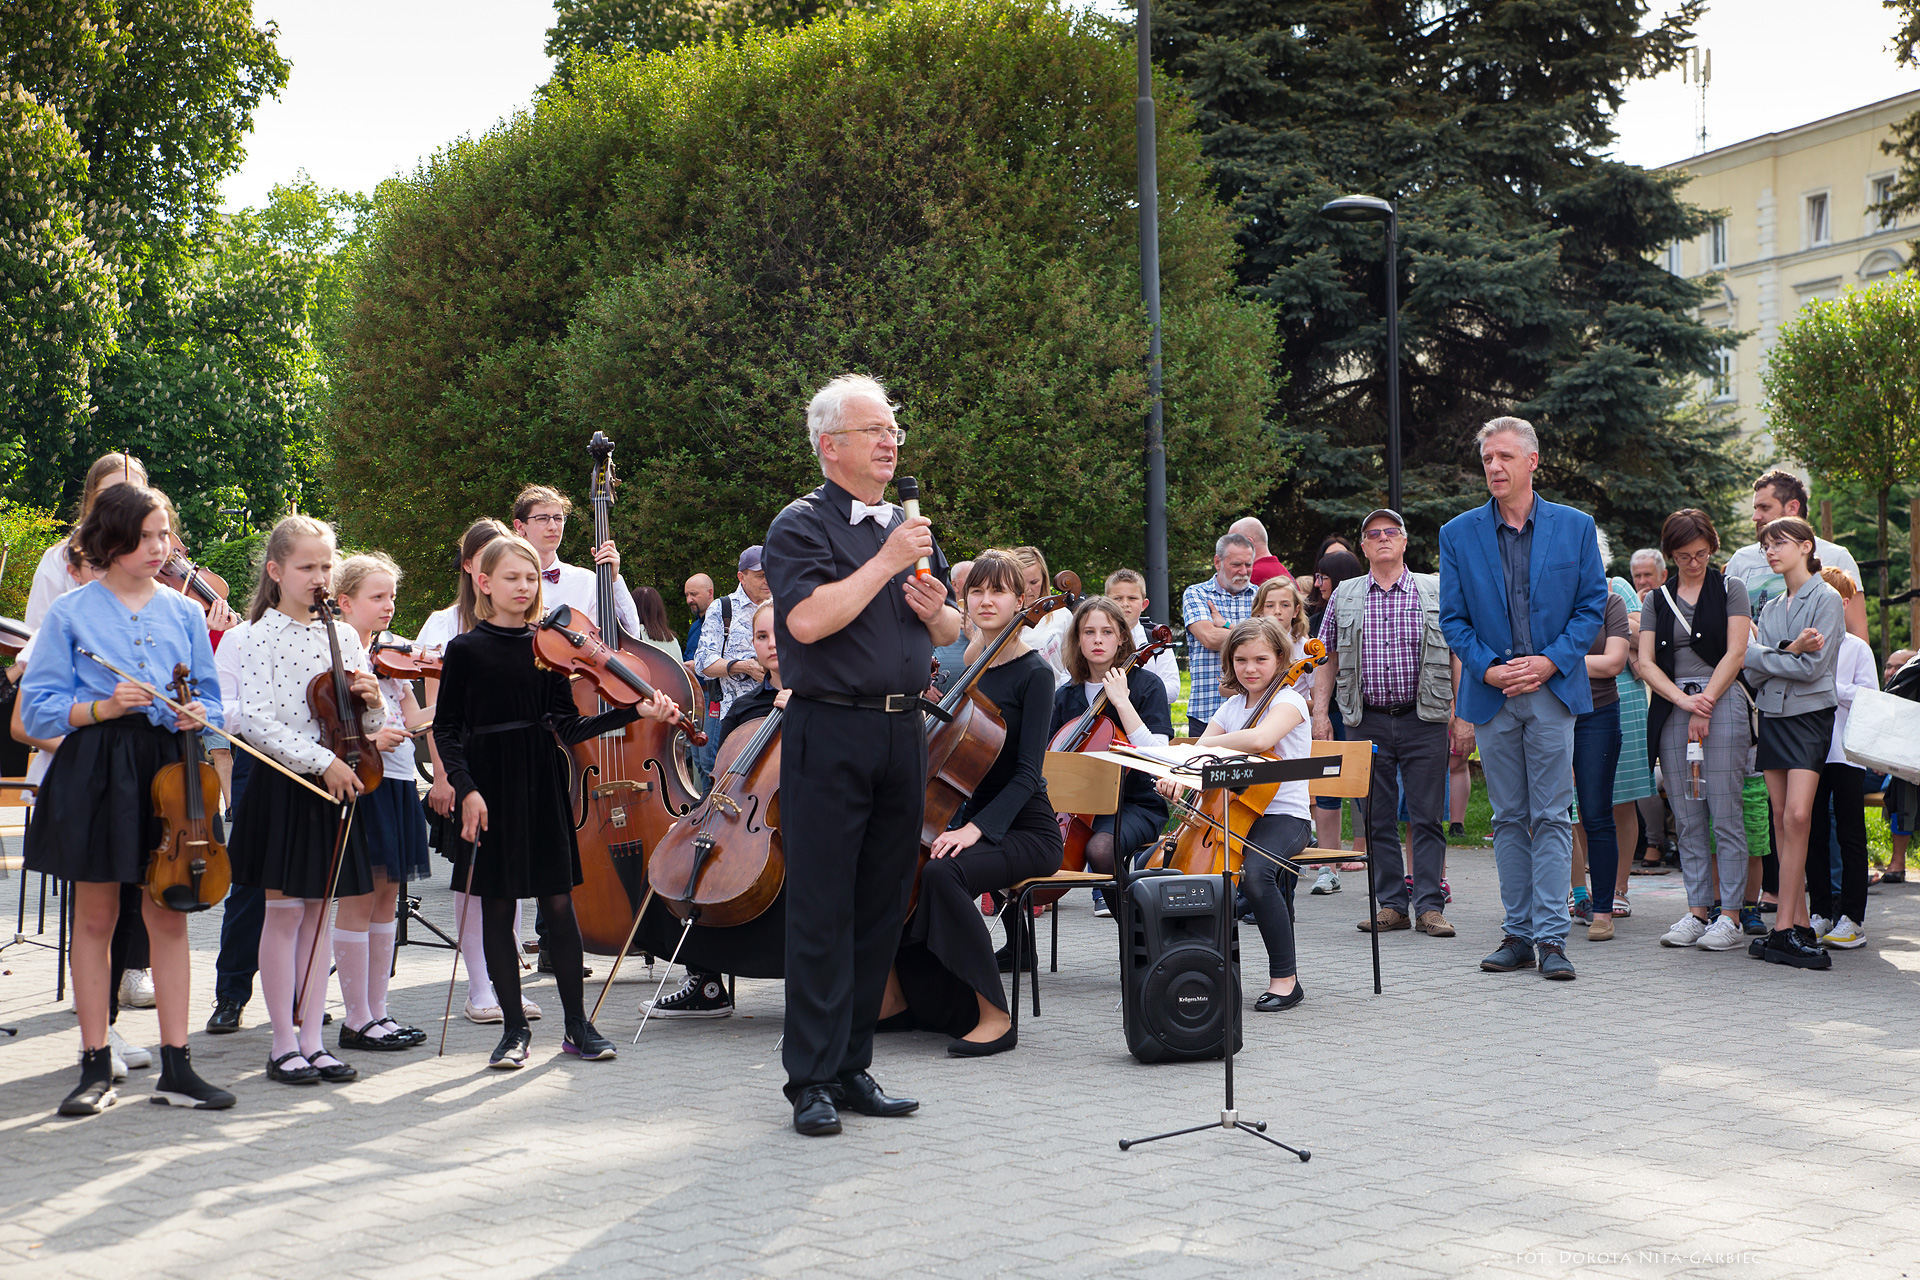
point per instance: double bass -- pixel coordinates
(1211, 838)
(1094, 731)
(188, 870)
(628, 786)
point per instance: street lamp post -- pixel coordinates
(1156, 459)
(1374, 209)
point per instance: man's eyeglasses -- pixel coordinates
(554, 520)
(1382, 535)
(876, 434)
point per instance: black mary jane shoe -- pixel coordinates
(511, 1053)
(814, 1114)
(226, 1018)
(1271, 1003)
(983, 1048)
(859, 1092)
(402, 1032)
(352, 1039)
(279, 1072)
(336, 1073)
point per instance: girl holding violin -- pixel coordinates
(945, 977)
(482, 1002)
(1099, 646)
(1253, 657)
(366, 589)
(495, 722)
(284, 836)
(95, 823)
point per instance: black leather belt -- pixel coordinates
(1404, 708)
(894, 704)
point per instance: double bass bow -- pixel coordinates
(1095, 731)
(1212, 836)
(188, 870)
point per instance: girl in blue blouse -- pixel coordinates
(94, 822)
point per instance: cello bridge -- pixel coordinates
(726, 802)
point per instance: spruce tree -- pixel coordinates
(1528, 280)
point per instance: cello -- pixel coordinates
(722, 864)
(1094, 731)
(188, 870)
(1211, 838)
(630, 785)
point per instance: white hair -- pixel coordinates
(1647, 553)
(1501, 426)
(828, 408)
(1606, 546)
(1227, 540)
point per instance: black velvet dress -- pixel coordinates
(495, 724)
(946, 952)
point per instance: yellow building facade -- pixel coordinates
(1794, 224)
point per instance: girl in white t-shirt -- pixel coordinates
(1253, 657)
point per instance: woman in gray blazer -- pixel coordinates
(1790, 661)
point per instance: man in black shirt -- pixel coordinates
(856, 629)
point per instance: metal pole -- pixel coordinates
(1156, 487)
(1393, 361)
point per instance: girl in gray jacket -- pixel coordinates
(1789, 665)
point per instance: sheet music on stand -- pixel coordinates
(1210, 768)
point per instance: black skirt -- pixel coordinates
(397, 829)
(1795, 742)
(528, 849)
(93, 821)
(283, 839)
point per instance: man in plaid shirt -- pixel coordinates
(1209, 610)
(1394, 678)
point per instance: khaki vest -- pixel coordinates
(1433, 698)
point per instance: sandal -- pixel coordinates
(1655, 868)
(1893, 877)
(338, 1073)
(278, 1070)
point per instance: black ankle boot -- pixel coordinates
(95, 1092)
(181, 1086)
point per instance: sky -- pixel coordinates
(376, 88)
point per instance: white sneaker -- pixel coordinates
(1723, 934)
(1327, 883)
(1686, 931)
(136, 989)
(119, 1064)
(1820, 925)
(131, 1054)
(1846, 935)
(1621, 907)
(482, 1013)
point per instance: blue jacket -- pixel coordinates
(1567, 589)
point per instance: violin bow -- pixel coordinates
(617, 958)
(215, 729)
(459, 945)
(347, 808)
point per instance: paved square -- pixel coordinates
(1669, 1113)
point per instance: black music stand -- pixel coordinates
(1233, 773)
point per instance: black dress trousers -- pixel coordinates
(852, 791)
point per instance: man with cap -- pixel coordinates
(726, 635)
(1393, 677)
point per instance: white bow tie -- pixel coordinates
(882, 514)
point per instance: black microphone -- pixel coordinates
(910, 499)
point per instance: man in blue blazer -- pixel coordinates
(1522, 596)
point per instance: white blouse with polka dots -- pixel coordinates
(277, 658)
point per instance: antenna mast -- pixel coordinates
(1702, 75)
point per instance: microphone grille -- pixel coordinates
(909, 489)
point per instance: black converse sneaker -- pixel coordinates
(181, 1086)
(95, 1092)
(703, 996)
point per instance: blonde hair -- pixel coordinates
(1274, 586)
(109, 465)
(1077, 665)
(1131, 577)
(280, 544)
(472, 543)
(1263, 630)
(352, 573)
(1030, 558)
(507, 544)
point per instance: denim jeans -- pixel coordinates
(1596, 757)
(1526, 751)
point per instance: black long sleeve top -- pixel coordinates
(1023, 691)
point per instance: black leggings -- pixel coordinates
(503, 955)
(1269, 887)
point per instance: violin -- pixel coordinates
(963, 747)
(1212, 837)
(188, 870)
(337, 708)
(202, 586)
(569, 644)
(722, 864)
(398, 658)
(1094, 731)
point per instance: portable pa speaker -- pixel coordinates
(1180, 977)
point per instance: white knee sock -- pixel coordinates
(480, 993)
(279, 936)
(350, 957)
(379, 966)
(313, 981)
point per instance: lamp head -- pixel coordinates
(1358, 209)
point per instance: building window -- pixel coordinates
(1675, 262)
(1717, 243)
(1881, 191)
(1720, 385)
(1819, 225)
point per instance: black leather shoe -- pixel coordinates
(332, 1070)
(814, 1113)
(545, 965)
(352, 1039)
(982, 1048)
(1004, 958)
(279, 1072)
(1271, 1003)
(1786, 946)
(859, 1092)
(226, 1018)
(410, 1035)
